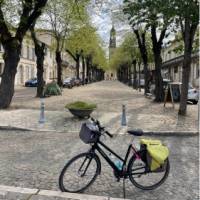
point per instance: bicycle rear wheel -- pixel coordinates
(79, 173)
(148, 180)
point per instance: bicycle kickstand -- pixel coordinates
(124, 188)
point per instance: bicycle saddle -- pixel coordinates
(136, 132)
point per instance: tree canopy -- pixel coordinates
(87, 41)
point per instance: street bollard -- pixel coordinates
(42, 118)
(123, 121)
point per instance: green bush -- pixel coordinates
(81, 105)
(52, 89)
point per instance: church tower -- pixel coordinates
(112, 45)
(111, 74)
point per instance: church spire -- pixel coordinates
(113, 37)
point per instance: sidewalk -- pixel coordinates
(17, 193)
(109, 96)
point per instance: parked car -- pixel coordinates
(142, 82)
(77, 82)
(31, 82)
(193, 94)
(68, 82)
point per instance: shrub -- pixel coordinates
(79, 105)
(52, 89)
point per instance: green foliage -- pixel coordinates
(52, 89)
(129, 52)
(65, 16)
(80, 105)
(187, 10)
(149, 13)
(87, 41)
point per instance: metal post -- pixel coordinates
(123, 122)
(42, 106)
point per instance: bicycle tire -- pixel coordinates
(150, 187)
(62, 182)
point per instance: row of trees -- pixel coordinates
(127, 57)
(160, 19)
(68, 23)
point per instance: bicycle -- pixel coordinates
(82, 170)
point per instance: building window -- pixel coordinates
(176, 69)
(1, 68)
(22, 51)
(33, 54)
(27, 52)
(197, 71)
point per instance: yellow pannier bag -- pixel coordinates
(157, 153)
(150, 142)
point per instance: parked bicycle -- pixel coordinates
(143, 171)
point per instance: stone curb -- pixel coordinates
(146, 133)
(12, 128)
(10, 193)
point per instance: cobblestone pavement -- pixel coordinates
(35, 159)
(109, 97)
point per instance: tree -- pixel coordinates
(155, 16)
(126, 56)
(187, 13)
(84, 43)
(40, 49)
(11, 37)
(64, 16)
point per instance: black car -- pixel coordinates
(31, 82)
(68, 82)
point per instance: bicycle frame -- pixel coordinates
(119, 173)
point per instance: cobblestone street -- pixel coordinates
(109, 97)
(35, 159)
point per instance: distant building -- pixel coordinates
(112, 74)
(173, 64)
(27, 65)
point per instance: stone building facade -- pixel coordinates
(173, 61)
(27, 66)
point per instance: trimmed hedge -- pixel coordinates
(80, 105)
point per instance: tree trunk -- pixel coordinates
(40, 53)
(159, 92)
(134, 75)
(188, 41)
(59, 68)
(11, 58)
(146, 79)
(77, 65)
(83, 72)
(143, 51)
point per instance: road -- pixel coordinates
(24, 93)
(35, 159)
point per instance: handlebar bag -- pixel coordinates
(87, 135)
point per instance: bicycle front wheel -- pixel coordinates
(79, 173)
(146, 180)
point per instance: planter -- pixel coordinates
(81, 113)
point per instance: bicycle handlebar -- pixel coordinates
(100, 127)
